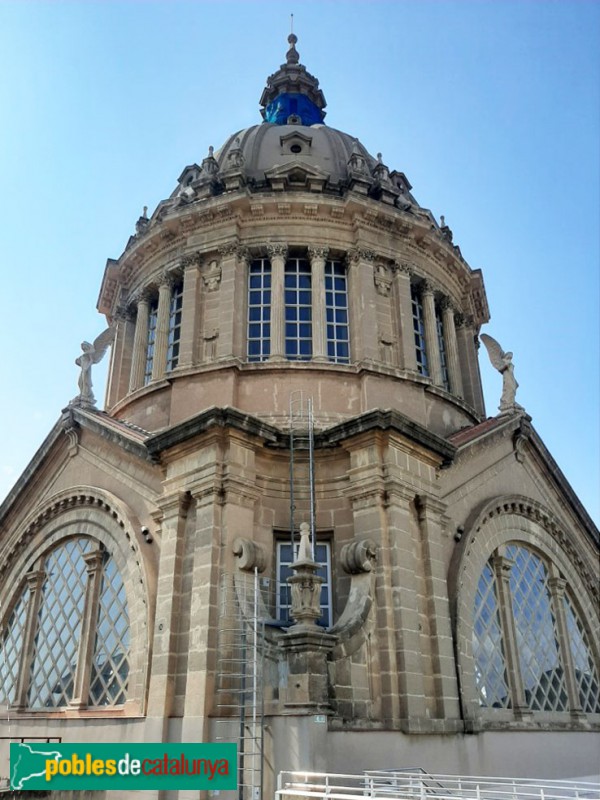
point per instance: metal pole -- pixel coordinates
(311, 473)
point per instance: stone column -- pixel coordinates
(232, 319)
(452, 362)
(362, 300)
(173, 511)
(502, 567)
(467, 353)
(190, 311)
(402, 275)
(163, 315)
(318, 256)
(87, 642)
(121, 356)
(406, 605)
(557, 588)
(140, 344)
(277, 255)
(438, 609)
(35, 581)
(432, 345)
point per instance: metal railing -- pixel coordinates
(416, 784)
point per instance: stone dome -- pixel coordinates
(319, 148)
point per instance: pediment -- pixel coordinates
(297, 175)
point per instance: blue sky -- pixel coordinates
(490, 108)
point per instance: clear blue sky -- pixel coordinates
(490, 108)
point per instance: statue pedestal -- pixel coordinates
(307, 649)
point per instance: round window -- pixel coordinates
(296, 148)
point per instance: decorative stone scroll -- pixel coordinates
(358, 556)
(251, 555)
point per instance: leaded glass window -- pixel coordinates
(10, 650)
(151, 340)
(586, 674)
(110, 667)
(62, 594)
(298, 310)
(439, 326)
(59, 626)
(336, 309)
(259, 310)
(527, 636)
(419, 331)
(535, 626)
(174, 339)
(488, 653)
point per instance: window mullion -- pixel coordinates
(557, 588)
(502, 568)
(81, 683)
(35, 582)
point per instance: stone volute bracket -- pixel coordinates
(359, 559)
(251, 555)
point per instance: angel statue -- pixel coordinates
(92, 354)
(503, 363)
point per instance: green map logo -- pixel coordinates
(36, 766)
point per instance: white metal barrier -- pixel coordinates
(420, 785)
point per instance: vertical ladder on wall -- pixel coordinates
(240, 678)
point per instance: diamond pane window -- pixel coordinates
(439, 325)
(59, 625)
(419, 331)
(336, 309)
(535, 627)
(259, 310)
(298, 310)
(490, 667)
(152, 318)
(174, 339)
(284, 571)
(110, 667)
(10, 650)
(586, 674)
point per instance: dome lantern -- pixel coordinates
(292, 95)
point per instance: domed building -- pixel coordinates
(293, 525)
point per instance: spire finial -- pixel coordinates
(292, 56)
(291, 23)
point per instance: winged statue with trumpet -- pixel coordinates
(93, 352)
(502, 361)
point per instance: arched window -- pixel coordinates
(530, 646)
(66, 642)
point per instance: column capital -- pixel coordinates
(35, 579)
(229, 248)
(191, 260)
(277, 250)
(427, 287)
(358, 254)
(446, 304)
(557, 586)
(403, 268)
(93, 561)
(316, 252)
(124, 313)
(165, 280)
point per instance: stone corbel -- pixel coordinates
(520, 438)
(250, 554)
